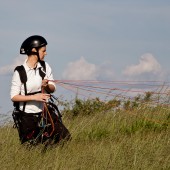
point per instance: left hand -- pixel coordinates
(44, 83)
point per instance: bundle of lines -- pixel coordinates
(158, 92)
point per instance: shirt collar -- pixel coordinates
(28, 68)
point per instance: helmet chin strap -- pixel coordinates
(38, 56)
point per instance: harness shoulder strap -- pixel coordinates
(43, 65)
(42, 74)
(23, 76)
(22, 73)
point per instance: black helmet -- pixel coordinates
(34, 41)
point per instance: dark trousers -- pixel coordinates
(32, 127)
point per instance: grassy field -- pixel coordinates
(102, 138)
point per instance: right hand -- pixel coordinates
(42, 97)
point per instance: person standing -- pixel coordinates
(28, 97)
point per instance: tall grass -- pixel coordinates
(104, 136)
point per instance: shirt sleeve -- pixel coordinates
(49, 75)
(15, 85)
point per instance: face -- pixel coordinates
(42, 52)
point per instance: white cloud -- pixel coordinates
(147, 64)
(80, 70)
(105, 71)
(10, 68)
(83, 70)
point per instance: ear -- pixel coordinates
(34, 50)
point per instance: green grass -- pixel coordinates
(108, 139)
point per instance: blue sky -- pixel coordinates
(88, 39)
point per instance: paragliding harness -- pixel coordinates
(39, 127)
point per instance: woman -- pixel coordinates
(29, 97)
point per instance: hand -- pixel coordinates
(42, 97)
(44, 83)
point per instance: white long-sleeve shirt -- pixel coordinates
(34, 81)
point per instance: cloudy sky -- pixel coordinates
(88, 39)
